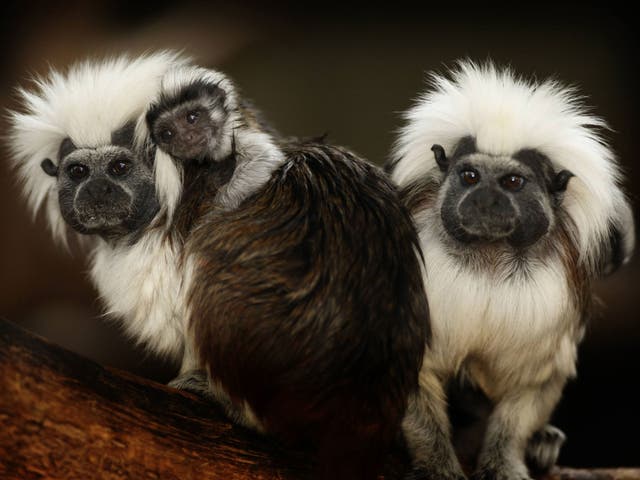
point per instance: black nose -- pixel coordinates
(489, 202)
(488, 212)
(100, 190)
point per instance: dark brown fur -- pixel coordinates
(308, 302)
(420, 195)
(201, 183)
(577, 275)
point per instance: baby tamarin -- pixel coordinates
(291, 275)
(518, 205)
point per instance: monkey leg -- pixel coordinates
(543, 449)
(191, 377)
(513, 421)
(427, 433)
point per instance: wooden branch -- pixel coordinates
(63, 416)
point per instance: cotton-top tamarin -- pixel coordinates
(519, 208)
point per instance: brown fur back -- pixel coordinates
(308, 302)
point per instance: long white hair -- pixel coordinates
(86, 104)
(506, 113)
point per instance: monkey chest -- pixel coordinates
(142, 287)
(502, 332)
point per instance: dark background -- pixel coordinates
(315, 68)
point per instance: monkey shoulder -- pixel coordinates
(340, 178)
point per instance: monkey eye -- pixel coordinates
(512, 182)
(166, 135)
(193, 116)
(469, 177)
(119, 167)
(77, 171)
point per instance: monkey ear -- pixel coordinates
(561, 180)
(124, 136)
(49, 167)
(66, 147)
(441, 157)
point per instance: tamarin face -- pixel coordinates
(108, 190)
(488, 198)
(189, 125)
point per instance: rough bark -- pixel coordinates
(65, 417)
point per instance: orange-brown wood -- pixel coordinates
(65, 417)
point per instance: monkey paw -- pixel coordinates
(543, 448)
(194, 381)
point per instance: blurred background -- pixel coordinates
(349, 71)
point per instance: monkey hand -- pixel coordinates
(543, 448)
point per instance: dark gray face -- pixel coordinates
(188, 126)
(108, 191)
(509, 199)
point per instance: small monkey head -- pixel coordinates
(506, 198)
(108, 190)
(190, 125)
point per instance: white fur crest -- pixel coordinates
(86, 104)
(181, 76)
(506, 113)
